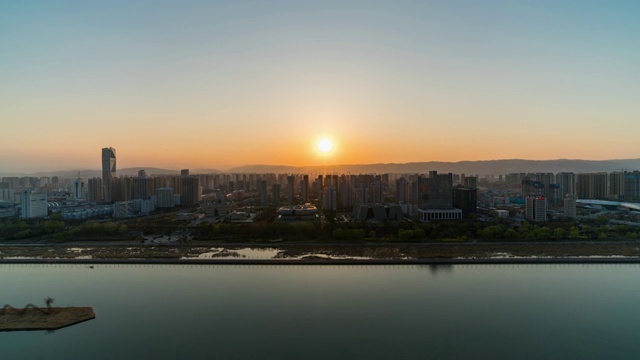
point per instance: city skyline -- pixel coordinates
(211, 85)
(480, 167)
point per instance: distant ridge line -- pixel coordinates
(480, 167)
(469, 167)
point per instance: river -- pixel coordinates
(550, 311)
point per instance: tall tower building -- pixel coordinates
(78, 186)
(108, 163)
(570, 206)
(304, 188)
(275, 194)
(319, 185)
(290, 188)
(402, 190)
(262, 189)
(536, 208)
(108, 173)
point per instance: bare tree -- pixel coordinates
(48, 301)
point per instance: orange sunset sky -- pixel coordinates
(214, 85)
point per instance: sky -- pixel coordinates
(206, 84)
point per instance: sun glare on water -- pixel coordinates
(325, 145)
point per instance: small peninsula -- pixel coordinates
(32, 317)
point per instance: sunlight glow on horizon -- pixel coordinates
(325, 145)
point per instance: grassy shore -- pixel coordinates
(43, 319)
(300, 251)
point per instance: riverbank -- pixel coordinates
(271, 262)
(422, 253)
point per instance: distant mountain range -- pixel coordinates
(98, 173)
(483, 167)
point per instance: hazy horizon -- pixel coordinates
(482, 167)
(202, 84)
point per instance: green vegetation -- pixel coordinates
(264, 228)
(14, 229)
(348, 234)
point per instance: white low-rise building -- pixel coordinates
(426, 215)
(33, 204)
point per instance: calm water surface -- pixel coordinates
(331, 312)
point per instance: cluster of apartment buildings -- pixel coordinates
(127, 195)
(617, 185)
(427, 197)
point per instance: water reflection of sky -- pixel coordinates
(311, 311)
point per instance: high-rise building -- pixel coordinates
(191, 192)
(415, 190)
(165, 198)
(6, 194)
(402, 190)
(143, 186)
(624, 185)
(329, 199)
(465, 199)
(566, 184)
(551, 188)
(592, 186)
(304, 188)
(291, 180)
(346, 193)
(96, 191)
(318, 185)
(334, 181)
(25, 182)
(532, 186)
(513, 178)
(108, 173)
(375, 192)
(438, 192)
(632, 185)
(262, 189)
(119, 189)
(616, 185)
(78, 186)
(570, 206)
(470, 182)
(536, 208)
(361, 194)
(275, 194)
(108, 163)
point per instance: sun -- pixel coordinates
(325, 145)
